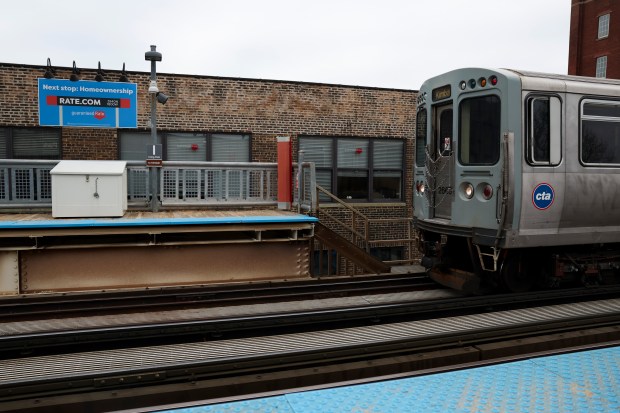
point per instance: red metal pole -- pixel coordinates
(285, 172)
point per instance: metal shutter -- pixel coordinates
(36, 144)
(317, 150)
(186, 147)
(134, 145)
(230, 148)
(388, 155)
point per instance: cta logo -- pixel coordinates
(543, 196)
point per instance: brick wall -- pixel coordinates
(585, 47)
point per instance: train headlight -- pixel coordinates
(468, 190)
(421, 188)
(463, 85)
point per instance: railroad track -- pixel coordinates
(458, 332)
(166, 326)
(31, 307)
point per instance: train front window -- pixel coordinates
(479, 126)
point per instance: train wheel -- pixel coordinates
(515, 275)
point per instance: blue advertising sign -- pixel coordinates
(88, 104)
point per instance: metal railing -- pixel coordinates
(27, 184)
(304, 190)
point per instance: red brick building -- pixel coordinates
(594, 48)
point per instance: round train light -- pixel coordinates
(421, 188)
(487, 192)
(493, 80)
(472, 83)
(482, 82)
(463, 85)
(468, 190)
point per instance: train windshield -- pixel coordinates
(479, 137)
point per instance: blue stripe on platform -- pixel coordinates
(138, 222)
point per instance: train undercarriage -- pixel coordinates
(460, 264)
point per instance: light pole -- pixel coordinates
(156, 96)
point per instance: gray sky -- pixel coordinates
(383, 43)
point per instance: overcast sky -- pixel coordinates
(383, 43)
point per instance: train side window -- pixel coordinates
(600, 132)
(544, 130)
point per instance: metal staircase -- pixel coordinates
(344, 236)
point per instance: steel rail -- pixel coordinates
(69, 304)
(239, 326)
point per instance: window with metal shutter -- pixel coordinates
(317, 150)
(230, 148)
(388, 155)
(134, 144)
(353, 153)
(36, 144)
(3, 142)
(186, 147)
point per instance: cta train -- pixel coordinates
(517, 179)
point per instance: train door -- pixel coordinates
(443, 166)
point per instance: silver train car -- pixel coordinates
(517, 179)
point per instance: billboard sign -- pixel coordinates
(88, 104)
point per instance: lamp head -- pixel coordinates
(152, 55)
(123, 77)
(50, 72)
(75, 73)
(100, 76)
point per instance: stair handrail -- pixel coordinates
(356, 235)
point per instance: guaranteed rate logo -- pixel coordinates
(543, 196)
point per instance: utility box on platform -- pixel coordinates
(89, 189)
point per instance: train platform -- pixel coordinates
(145, 249)
(583, 381)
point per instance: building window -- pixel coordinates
(601, 66)
(357, 169)
(182, 146)
(30, 143)
(603, 26)
(600, 132)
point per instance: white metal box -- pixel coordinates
(89, 189)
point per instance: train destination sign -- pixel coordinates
(443, 92)
(87, 104)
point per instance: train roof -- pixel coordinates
(534, 81)
(586, 79)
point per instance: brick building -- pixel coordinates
(594, 48)
(361, 138)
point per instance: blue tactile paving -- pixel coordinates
(121, 222)
(581, 382)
